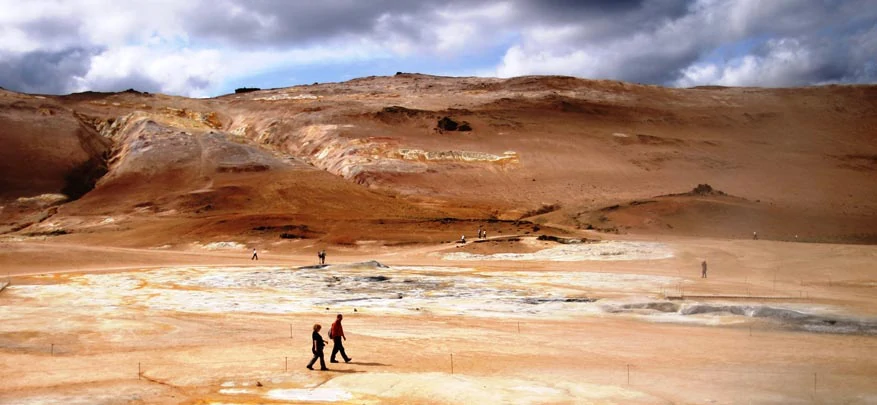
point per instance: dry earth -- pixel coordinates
(518, 330)
(128, 220)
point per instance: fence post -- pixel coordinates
(286, 363)
(139, 372)
(452, 363)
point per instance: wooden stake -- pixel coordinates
(139, 373)
(452, 363)
(286, 364)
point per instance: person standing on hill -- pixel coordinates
(255, 256)
(336, 333)
(317, 348)
(703, 269)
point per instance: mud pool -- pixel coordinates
(372, 288)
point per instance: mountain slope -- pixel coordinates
(381, 148)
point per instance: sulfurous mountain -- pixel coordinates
(417, 158)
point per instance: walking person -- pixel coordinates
(317, 348)
(703, 269)
(336, 333)
(255, 256)
(323, 256)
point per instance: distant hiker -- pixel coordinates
(703, 269)
(463, 239)
(479, 232)
(321, 255)
(754, 235)
(484, 235)
(255, 256)
(317, 348)
(336, 333)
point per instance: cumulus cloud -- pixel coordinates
(195, 47)
(793, 62)
(672, 42)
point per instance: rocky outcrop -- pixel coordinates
(323, 147)
(457, 156)
(448, 124)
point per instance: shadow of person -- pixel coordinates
(362, 363)
(335, 370)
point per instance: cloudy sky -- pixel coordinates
(209, 47)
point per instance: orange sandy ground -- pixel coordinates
(185, 358)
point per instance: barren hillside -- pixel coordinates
(375, 159)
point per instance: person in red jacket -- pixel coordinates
(336, 333)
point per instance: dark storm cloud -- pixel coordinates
(42, 71)
(612, 17)
(277, 22)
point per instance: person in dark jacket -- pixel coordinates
(336, 333)
(317, 348)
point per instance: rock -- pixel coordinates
(705, 189)
(447, 124)
(464, 126)
(376, 279)
(372, 263)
